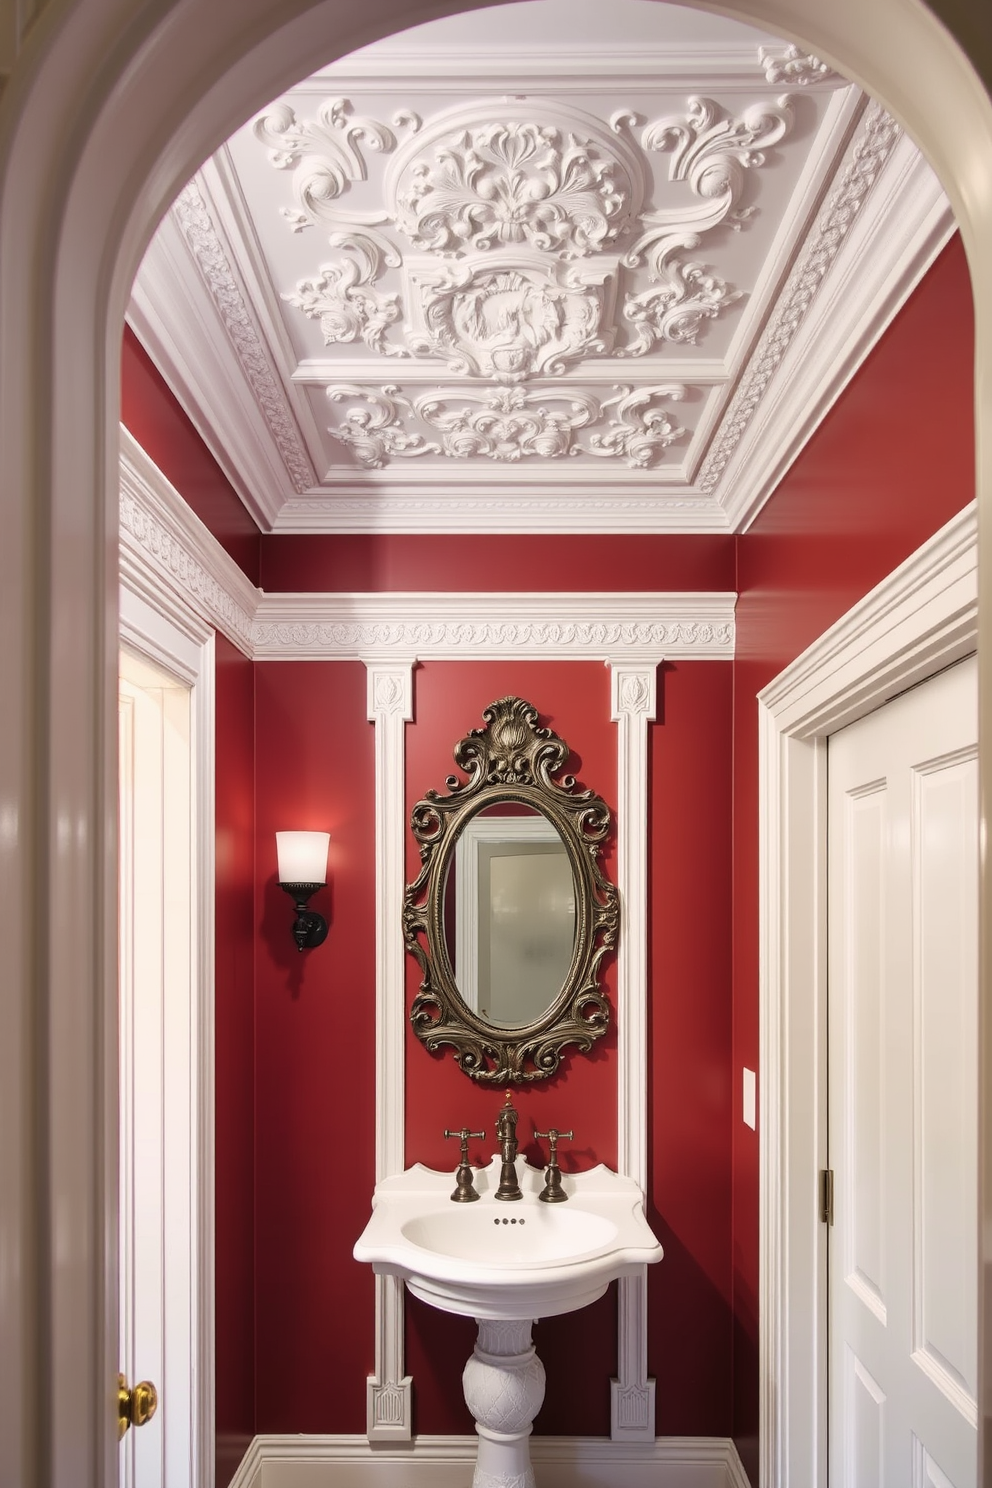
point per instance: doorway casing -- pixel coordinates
(920, 618)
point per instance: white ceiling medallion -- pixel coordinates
(593, 275)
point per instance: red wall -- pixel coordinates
(574, 699)
(891, 463)
(150, 412)
(234, 1096)
(314, 1054)
(539, 563)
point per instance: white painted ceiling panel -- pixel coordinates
(534, 269)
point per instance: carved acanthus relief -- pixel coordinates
(506, 424)
(522, 248)
(540, 197)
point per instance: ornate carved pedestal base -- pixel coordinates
(504, 1388)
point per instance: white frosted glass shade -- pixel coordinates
(302, 856)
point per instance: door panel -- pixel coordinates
(903, 935)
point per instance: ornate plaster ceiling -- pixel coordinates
(558, 266)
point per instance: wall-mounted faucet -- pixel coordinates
(552, 1192)
(506, 1135)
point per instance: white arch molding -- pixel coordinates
(110, 107)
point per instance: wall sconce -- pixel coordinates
(302, 871)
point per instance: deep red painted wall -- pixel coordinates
(315, 1054)
(234, 1107)
(151, 413)
(538, 563)
(689, 1338)
(891, 463)
(573, 698)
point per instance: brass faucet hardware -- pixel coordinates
(552, 1192)
(465, 1192)
(506, 1136)
(134, 1407)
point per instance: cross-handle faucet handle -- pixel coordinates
(465, 1192)
(553, 1135)
(552, 1192)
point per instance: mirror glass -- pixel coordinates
(509, 914)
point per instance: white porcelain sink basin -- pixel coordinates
(510, 1261)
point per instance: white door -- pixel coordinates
(903, 1023)
(156, 998)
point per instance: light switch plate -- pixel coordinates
(750, 1099)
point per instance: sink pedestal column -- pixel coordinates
(504, 1388)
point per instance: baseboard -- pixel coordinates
(447, 1461)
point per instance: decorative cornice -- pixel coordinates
(163, 542)
(162, 538)
(876, 237)
(461, 626)
(791, 67)
(208, 253)
(872, 146)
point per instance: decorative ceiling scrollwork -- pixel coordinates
(499, 209)
(559, 278)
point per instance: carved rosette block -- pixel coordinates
(511, 759)
(504, 1389)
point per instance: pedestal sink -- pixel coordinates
(506, 1265)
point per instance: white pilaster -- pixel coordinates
(390, 708)
(634, 694)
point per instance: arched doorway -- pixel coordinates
(109, 109)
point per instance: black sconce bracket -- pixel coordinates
(310, 928)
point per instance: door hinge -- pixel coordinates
(827, 1195)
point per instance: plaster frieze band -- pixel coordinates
(634, 705)
(390, 708)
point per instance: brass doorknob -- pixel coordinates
(134, 1407)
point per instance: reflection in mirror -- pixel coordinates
(510, 914)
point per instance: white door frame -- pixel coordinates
(183, 646)
(920, 618)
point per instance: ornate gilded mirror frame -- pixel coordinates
(511, 759)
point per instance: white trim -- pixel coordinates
(454, 627)
(633, 694)
(390, 708)
(168, 554)
(920, 618)
(447, 1462)
(184, 649)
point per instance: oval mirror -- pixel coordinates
(511, 915)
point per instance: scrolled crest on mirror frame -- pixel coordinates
(511, 759)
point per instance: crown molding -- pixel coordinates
(170, 557)
(457, 627)
(882, 226)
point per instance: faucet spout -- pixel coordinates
(506, 1135)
